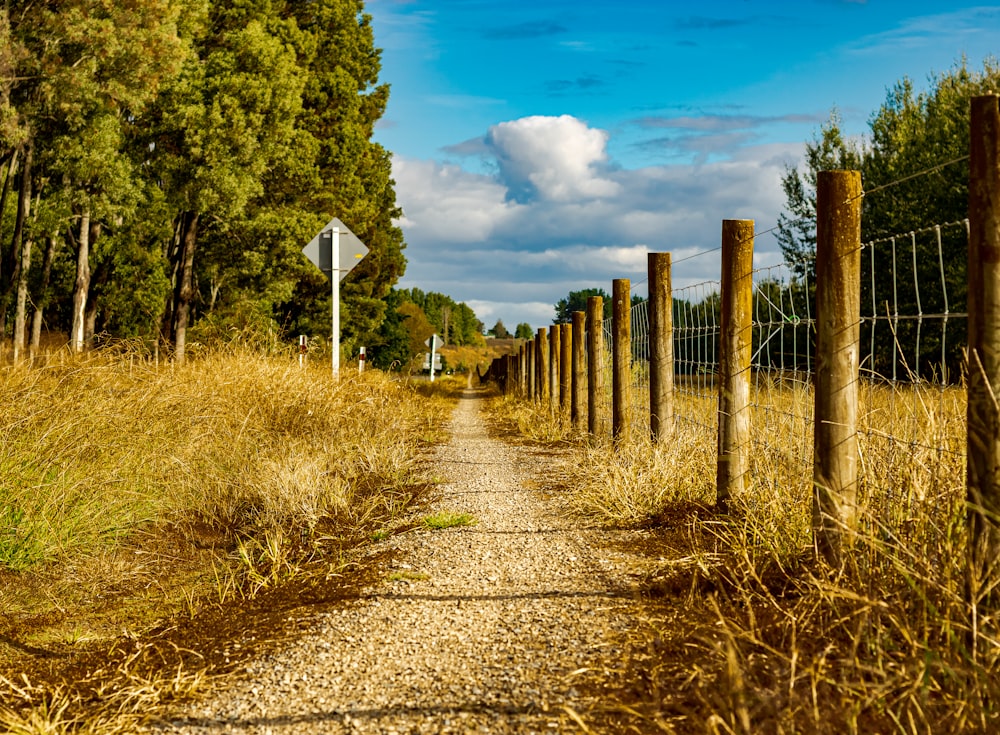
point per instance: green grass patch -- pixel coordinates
(449, 519)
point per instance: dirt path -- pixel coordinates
(482, 628)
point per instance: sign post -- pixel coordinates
(335, 250)
(433, 341)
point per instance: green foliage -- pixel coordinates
(247, 125)
(915, 174)
(796, 235)
(577, 301)
(500, 331)
(456, 323)
(523, 331)
(392, 351)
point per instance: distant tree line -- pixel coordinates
(163, 162)
(412, 317)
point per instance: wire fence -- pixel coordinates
(912, 409)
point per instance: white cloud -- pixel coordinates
(446, 204)
(554, 158)
(469, 237)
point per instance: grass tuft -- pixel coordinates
(449, 519)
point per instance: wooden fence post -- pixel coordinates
(734, 359)
(838, 329)
(595, 363)
(983, 441)
(579, 367)
(555, 341)
(565, 367)
(621, 359)
(661, 347)
(530, 369)
(542, 365)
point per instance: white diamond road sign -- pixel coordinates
(320, 249)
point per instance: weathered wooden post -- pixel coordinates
(579, 368)
(734, 359)
(530, 371)
(542, 365)
(565, 367)
(621, 359)
(595, 363)
(661, 347)
(983, 442)
(555, 350)
(838, 329)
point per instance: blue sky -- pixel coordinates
(544, 147)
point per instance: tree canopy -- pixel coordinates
(173, 156)
(915, 172)
(577, 301)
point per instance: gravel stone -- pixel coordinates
(486, 629)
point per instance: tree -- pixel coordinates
(181, 152)
(418, 327)
(499, 330)
(391, 349)
(463, 326)
(218, 127)
(523, 331)
(577, 301)
(914, 171)
(82, 70)
(797, 229)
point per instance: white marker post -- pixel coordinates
(433, 345)
(335, 279)
(361, 361)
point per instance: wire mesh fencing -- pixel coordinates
(911, 414)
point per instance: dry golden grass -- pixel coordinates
(170, 488)
(754, 635)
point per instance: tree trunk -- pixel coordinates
(185, 284)
(171, 253)
(4, 193)
(43, 296)
(9, 259)
(98, 280)
(25, 257)
(82, 286)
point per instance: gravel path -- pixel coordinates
(482, 628)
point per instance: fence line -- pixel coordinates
(906, 355)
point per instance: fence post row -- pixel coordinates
(621, 359)
(983, 413)
(661, 347)
(835, 450)
(838, 332)
(734, 359)
(595, 363)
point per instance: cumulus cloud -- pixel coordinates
(443, 203)
(555, 217)
(553, 158)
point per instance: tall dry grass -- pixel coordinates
(888, 644)
(92, 449)
(111, 465)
